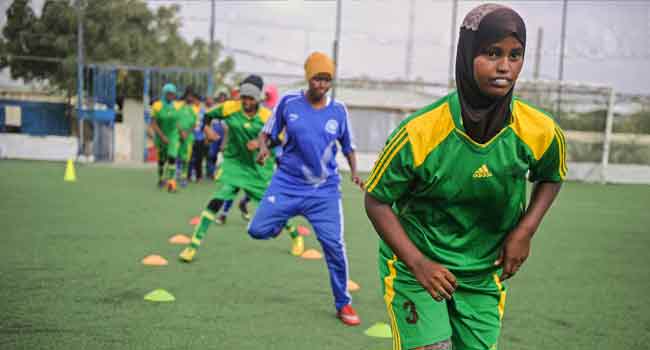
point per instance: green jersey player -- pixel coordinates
(245, 119)
(448, 194)
(164, 113)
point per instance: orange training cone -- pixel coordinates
(154, 260)
(353, 286)
(180, 239)
(311, 254)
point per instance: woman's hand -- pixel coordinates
(263, 154)
(357, 180)
(252, 145)
(435, 278)
(515, 251)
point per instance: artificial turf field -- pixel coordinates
(71, 277)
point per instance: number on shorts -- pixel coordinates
(412, 317)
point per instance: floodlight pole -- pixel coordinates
(211, 54)
(409, 41)
(560, 78)
(337, 40)
(538, 53)
(452, 44)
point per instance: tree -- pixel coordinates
(116, 31)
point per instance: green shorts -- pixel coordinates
(227, 192)
(234, 175)
(169, 150)
(185, 149)
(472, 319)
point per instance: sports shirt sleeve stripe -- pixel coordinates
(382, 169)
(385, 152)
(563, 169)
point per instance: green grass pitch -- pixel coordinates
(70, 276)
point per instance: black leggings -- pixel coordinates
(199, 152)
(215, 205)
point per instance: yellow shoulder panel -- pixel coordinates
(533, 127)
(196, 109)
(208, 110)
(264, 114)
(428, 130)
(230, 107)
(156, 107)
(178, 104)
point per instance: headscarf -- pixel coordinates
(271, 96)
(252, 86)
(167, 88)
(255, 80)
(234, 94)
(250, 90)
(316, 63)
(484, 116)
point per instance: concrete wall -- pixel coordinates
(129, 135)
(20, 146)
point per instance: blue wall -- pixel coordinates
(39, 118)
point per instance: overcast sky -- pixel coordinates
(608, 42)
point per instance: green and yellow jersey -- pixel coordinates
(240, 163)
(188, 116)
(166, 115)
(458, 199)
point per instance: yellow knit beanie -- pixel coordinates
(316, 63)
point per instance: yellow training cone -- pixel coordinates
(311, 254)
(70, 175)
(154, 260)
(180, 239)
(353, 286)
(159, 295)
(379, 330)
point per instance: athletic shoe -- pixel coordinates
(171, 186)
(220, 220)
(348, 316)
(187, 255)
(183, 183)
(243, 208)
(161, 184)
(297, 246)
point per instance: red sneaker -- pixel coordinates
(348, 316)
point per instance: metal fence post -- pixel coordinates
(80, 76)
(608, 135)
(146, 102)
(337, 44)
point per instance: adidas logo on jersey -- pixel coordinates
(482, 172)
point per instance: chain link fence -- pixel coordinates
(608, 134)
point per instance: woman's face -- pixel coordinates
(249, 104)
(497, 66)
(319, 85)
